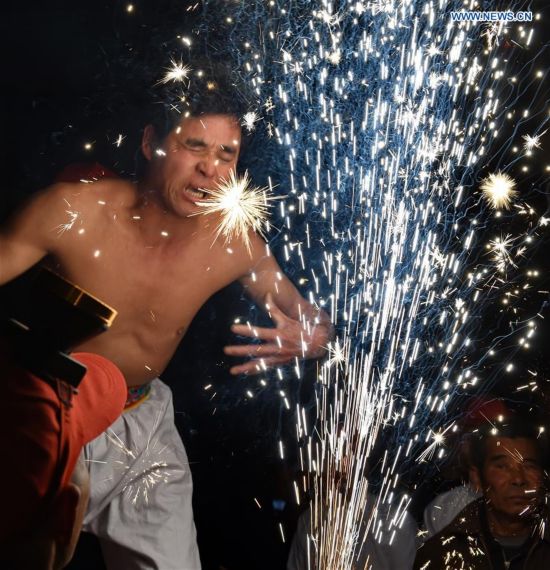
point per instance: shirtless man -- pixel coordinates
(138, 248)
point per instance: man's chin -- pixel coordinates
(522, 511)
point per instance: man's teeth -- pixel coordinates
(195, 193)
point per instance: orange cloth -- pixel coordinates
(43, 428)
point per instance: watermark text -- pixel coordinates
(492, 16)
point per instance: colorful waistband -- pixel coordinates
(137, 395)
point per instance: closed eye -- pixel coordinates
(195, 144)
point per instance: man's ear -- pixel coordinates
(64, 513)
(475, 479)
(148, 141)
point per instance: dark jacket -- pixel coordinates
(467, 544)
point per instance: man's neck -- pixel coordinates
(156, 225)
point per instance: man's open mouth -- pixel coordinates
(195, 193)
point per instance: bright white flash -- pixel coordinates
(498, 190)
(438, 439)
(177, 72)
(249, 121)
(337, 353)
(241, 207)
(531, 142)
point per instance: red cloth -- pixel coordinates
(482, 411)
(41, 437)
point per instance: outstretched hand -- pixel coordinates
(288, 340)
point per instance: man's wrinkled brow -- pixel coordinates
(195, 142)
(199, 143)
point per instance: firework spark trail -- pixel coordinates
(384, 110)
(73, 217)
(139, 471)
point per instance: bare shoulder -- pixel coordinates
(46, 214)
(68, 194)
(95, 202)
(108, 191)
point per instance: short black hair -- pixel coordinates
(208, 88)
(514, 429)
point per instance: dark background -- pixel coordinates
(78, 72)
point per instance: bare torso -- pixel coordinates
(155, 271)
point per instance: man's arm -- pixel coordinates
(30, 234)
(301, 329)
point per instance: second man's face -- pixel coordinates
(512, 475)
(196, 155)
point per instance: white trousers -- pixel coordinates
(141, 489)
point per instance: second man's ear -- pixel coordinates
(149, 142)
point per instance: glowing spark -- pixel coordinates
(531, 142)
(335, 57)
(119, 140)
(241, 208)
(498, 190)
(500, 248)
(433, 50)
(337, 354)
(438, 439)
(327, 17)
(73, 216)
(249, 121)
(491, 33)
(177, 73)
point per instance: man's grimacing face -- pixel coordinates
(511, 478)
(198, 153)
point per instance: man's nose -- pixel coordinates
(208, 166)
(518, 475)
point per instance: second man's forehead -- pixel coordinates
(520, 449)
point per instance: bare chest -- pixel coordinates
(156, 289)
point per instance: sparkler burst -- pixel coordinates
(438, 439)
(241, 208)
(498, 190)
(531, 142)
(139, 471)
(177, 73)
(378, 140)
(500, 250)
(249, 121)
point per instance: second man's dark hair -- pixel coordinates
(514, 429)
